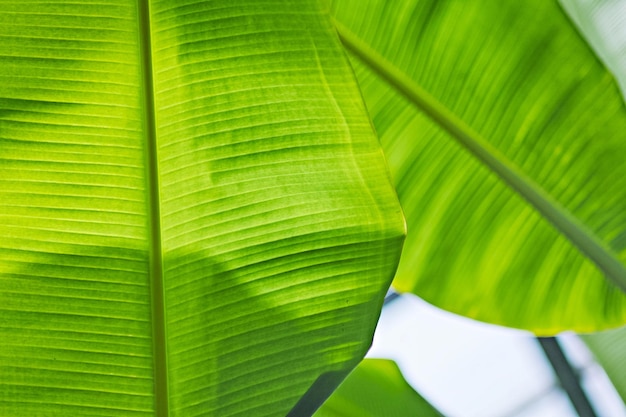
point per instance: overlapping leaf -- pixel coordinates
(610, 350)
(520, 78)
(376, 388)
(192, 204)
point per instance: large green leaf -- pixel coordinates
(376, 388)
(195, 215)
(610, 350)
(515, 195)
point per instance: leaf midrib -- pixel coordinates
(564, 221)
(154, 213)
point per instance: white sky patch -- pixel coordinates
(467, 368)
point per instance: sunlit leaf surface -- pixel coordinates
(522, 78)
(192, 204)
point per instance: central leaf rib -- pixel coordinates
(154, 214)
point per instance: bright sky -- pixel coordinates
(471, 369)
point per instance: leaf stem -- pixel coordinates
(583, 238)
(567, 376)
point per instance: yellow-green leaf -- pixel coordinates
(195, 215)
(514, 185)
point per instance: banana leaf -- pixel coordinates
(506, 138)
(376, 388)
(195, 215)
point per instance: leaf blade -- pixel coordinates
(567, 224)
(277, 216)
(376, 388)
(73, 259)
(608, 348)
(478, 250)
